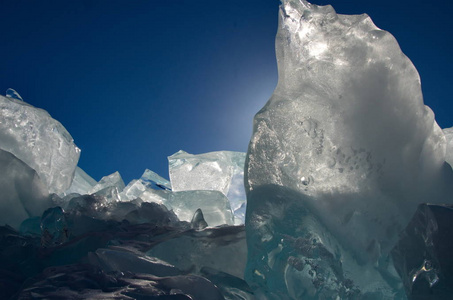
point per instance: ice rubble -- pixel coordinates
(340, 157)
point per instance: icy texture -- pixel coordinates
(113, 180)
(81, 184)
(214, 205)
(22, 194)
(38, 140)
(54, 229)
(222, 248)
(347, 138)
(149, 180)
(11, 93)
(217, 171)
(448, 132)
(423, 255)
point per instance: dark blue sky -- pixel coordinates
(136, 81)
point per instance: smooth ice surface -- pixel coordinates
(423, 257)
(217, 171)
(346, 134)
(34, 137)
(448, 132)
(22, 193)
(81, 184)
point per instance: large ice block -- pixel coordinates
(22, 193)
(34, 137)
(346, 133)
(216, 171)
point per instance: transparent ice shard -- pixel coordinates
(113, 180)
(347, 132)
(81, 184)
(148, 181)
(22, 193)
(155, 181)
(34, 137)
(11, 93)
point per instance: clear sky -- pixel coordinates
(135, 81)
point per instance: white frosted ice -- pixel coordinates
(215, 171)
(448, 132)
(34, 137)
(22, 193)
(347, 135)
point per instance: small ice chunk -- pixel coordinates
(198, 222)
(215, 206)
(22, 193)
(11, 93)
(41, 142)
(54, 228)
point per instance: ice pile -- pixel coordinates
(340, 158)
(140, 240)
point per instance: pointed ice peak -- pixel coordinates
(155, 181)
(11, 93)
(198, 222)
